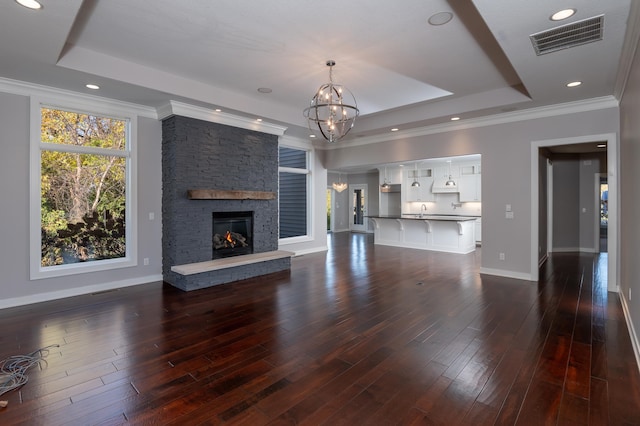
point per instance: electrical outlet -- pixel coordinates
(501, 256)
(146, 261)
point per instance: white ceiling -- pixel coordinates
(404, 72)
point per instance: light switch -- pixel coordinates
(508, 215)
(507, 208)
(152, 216)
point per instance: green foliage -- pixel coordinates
(82, 195)
(96, 237)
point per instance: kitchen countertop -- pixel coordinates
(452, 218)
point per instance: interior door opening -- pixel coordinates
(603, 190)
(358, 206)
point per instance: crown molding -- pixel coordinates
(207, 114)
(628, 50)
(295, 142)
(592, 104)
(17, 87)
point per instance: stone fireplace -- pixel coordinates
(209, 171)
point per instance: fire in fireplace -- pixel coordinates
(232, 234)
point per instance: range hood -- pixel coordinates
(439, 187)
(394, 187)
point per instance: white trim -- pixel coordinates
(632, 332)
(596, 245)
(293, 143)
(549, 208)
(299, 253)
(83, 101)
(208, 114)
(294, 240)
(592, 104)
(507, 274)
(574, 250)
(612, 179)
(36, 271)
(77, 291)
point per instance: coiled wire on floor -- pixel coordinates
(13, 370)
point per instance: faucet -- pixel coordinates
(454, 205)
(423, 209)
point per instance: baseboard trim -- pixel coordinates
(310, 251)
(506, 274)
(78, 291)
(632, 332)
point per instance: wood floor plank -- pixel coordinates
(361, 334)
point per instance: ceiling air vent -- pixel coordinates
(570, 35)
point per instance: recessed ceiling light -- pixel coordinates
(258, 119)
(601, 145)
(455, 118)
(395, 129)
(92, 86)
(312, 136)
(264, 90)
(562, 14)
(30, 4)
(574, 84)
(218, 110)
(440, 18)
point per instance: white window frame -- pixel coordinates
(309, 172)
(82, 106)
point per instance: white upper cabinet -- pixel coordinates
(470, 183)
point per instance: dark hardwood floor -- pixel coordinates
(360, 335)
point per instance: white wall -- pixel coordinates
(630, 201)
(15, 286)
(566, 204)
(506, 168)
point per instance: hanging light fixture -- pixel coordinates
(385, 185)
(333, 109)
(415, 183)
(339, 186)
(450, 183)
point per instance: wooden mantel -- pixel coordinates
(216, 194)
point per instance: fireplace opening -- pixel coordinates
(232, 234)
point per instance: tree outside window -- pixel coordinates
(83, 182)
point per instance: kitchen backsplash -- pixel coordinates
(444, 204)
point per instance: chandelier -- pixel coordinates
(333, 109)
(340, 185)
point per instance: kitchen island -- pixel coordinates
(452, 234)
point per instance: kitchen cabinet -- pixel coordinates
(470, 188)
(478, 230)
(451, 234)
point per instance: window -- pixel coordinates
(81, 192)
(293, 192)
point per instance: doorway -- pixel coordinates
(358, 200)
(602, 188)
(611, 141)
(329, 209)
